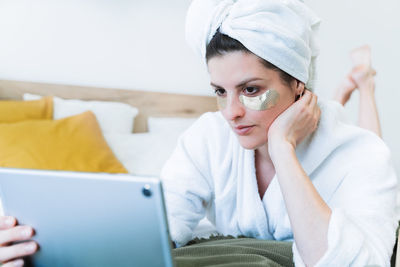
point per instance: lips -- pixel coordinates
(242, 126)
(243, 129)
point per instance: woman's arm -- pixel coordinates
(308, 213)
(358, 228)
(186, 184)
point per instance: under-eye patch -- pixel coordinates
(261, 102)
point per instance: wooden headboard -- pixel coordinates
(148, 103)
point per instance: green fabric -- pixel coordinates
(229, 251)
(394, 256)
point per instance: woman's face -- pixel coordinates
(240, 73)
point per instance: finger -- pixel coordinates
(14, 263)
(319, 113)
(373, 72)
(317, 109)
(313, 102)
(18, 251)
(318, 117)
(7, 222)
(18, 233)
(306, 98)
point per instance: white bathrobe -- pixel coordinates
(210, 174)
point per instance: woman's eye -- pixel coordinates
(250, 90)
(219, 92)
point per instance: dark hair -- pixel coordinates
(221, 44)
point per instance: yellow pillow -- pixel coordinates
(74, 143)
(13, 111)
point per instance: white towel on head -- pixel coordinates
(279, 31)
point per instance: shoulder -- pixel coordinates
(335, 138)
(353, 139)
(336, 130)
(365, 148)
(365, 151)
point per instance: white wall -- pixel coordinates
(348, 24)
(139, 44)
(132, 44)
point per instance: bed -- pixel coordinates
(149, 103)
(144, 150)
(160, 109)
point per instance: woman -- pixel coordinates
(271, 164)
(277, 167)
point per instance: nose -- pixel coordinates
(234, 108)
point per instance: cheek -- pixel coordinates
(259, 136)
(269, 116)
(266, 117)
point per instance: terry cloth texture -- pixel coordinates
(211, 174)
(283, 32)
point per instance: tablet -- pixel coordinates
(89, 219)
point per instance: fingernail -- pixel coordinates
(26, 232)
(30, 248)
(9, 221)
(18, 263)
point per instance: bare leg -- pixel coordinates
(362, 78)
(368, 116)
(344, 90)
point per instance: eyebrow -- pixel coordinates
(240, 84)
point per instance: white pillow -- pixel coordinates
(165, 124)
(142, 153)
(113, 117)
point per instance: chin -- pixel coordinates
(251, 143)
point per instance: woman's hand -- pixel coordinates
(10, 232)
(294, 124)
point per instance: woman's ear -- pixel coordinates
(299, 88)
